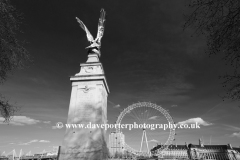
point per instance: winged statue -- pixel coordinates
(95, 43)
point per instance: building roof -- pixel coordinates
(177, 147)
(237, 149)
(208, 146)
(171, 147)
(185, 147)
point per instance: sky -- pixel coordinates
(146, 55)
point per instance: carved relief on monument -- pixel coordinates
(85, 70)
(86, 88)
(89, 69)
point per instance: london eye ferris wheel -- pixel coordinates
(145, 126)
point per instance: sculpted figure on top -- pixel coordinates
(95, 43)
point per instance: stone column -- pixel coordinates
(88, 106)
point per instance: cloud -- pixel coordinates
(20, 121)
(117, 106)
(54, 147)
(154, 140)
(34, 141)
(55, 127)
(114, 105)
(153, 117)
(232, 128)
(236, 134)
(27, 143)
(198, 120)
(47, 122)
(44, 141)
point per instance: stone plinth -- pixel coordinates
(88, 104)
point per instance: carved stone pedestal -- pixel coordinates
(88, 105)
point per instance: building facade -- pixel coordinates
(199, 151)
(213, 152)
(173, 152)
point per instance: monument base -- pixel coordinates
(88, 105)
(67, 154)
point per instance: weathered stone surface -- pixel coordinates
(88, 104)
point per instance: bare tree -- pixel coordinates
(12, 54)
(7, 110)
(219, 21)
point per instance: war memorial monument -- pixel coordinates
(88, 103)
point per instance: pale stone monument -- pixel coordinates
(88, 104)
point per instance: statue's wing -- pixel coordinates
(89, 36)
(101, 26)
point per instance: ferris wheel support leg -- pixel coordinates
(141, 142)
(146, 141)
